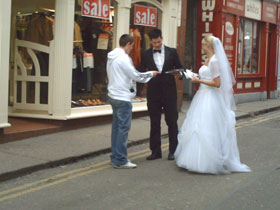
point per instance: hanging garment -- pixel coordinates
(136, 51)
(78, 40)
(40, 30)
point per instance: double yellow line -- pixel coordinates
(64, 177)
(257, 120)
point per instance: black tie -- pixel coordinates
(155, 51)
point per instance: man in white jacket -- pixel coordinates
(121, 73)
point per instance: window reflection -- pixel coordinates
(93, 40)
(255, 49)
(248, 47)
(240, 47)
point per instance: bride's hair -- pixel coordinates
(208, 40)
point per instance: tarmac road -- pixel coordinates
(159, 184)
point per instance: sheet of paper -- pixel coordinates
(189, 74)
(103, 41)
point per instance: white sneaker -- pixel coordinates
(128, 165)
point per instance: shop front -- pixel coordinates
(5, 11)
(248, 30)
(58, 50)
(278, 73)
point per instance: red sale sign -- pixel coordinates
(145, 16)
(96, 8)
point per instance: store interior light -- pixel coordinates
(247, 37)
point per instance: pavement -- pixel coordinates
(22, 157)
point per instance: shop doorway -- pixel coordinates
(31, 58)
(32, 86)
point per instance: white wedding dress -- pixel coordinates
(207, 139)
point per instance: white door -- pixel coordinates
(32, 87)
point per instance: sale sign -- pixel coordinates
(145, 16)
(96, 8)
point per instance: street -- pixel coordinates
(93, 184)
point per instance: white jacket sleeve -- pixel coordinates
(127, 66)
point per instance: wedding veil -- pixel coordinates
(226, 75)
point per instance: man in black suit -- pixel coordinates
(161, 93)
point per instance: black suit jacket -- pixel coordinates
(163, 86)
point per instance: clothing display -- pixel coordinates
(135, 53)
(77, 36)
(87, 102)
(141, 43)
(82, 79)
(36, 28)
(146, 42)
(82, 71)
(40, 29)
(89, 80)
(92, 40)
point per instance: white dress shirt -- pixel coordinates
(159, 58)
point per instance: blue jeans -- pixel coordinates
(122, 113)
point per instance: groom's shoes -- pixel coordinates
(170, 156)
(154, 156)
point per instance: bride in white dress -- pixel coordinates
(207, 139)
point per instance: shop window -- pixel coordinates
(248, 47)
(33, 23)
(140, 25)
(93, 40)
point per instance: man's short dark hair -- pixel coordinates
(154, 34)
(124, 39)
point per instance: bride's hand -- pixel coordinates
(195, 79)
